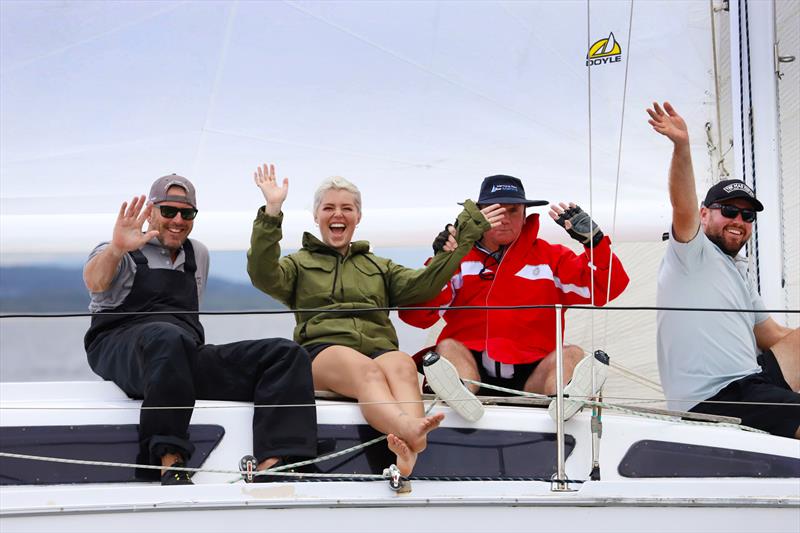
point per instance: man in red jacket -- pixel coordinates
(512, 266)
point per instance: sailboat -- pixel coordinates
(621, 464)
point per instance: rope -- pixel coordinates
(333, 455)
(300, 475)
(484, 399)
(591, 403)
(185, 469)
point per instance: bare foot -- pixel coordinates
(406, 459)
(418, 429)
(267, 463)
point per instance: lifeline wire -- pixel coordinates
(408, 308)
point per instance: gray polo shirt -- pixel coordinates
(157, 257)
(699, 353)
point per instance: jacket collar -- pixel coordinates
(530, 231)
(313, 244)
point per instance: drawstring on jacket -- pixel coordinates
(385, 282)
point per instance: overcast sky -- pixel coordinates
(413, 101)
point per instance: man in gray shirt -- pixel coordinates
(709, 361)
(146, 337)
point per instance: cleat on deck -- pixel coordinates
(443, 379)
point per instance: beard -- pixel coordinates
(729, 249)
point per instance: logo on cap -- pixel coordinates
(504, 187)
(738, 187)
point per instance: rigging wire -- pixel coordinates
(591, 193)
(345, 402)
(404, 308)
(619, 167)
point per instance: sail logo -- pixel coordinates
(604, 51)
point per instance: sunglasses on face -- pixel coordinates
(731, 211)
(168, 211)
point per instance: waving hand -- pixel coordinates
(669, 123)
(128, 234)
(274, 194)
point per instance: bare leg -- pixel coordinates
(352, 374)
(267, 463)
(462, 359)
(401, 374)
(543, 378)
(787, 352)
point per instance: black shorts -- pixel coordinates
(517, 381)
(315, 349)
(767, 386)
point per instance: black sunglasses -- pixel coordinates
(168, 211)
(731, 211)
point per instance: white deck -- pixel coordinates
(217, 500)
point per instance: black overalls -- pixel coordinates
(162, 359)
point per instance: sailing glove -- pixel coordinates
(441, 239)
(583, 229)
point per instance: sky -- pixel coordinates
(415, 102)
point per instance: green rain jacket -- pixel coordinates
(318, 277)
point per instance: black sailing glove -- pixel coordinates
(441, 239)
(583, 229)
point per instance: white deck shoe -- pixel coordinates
(443, 379)
(580, 386)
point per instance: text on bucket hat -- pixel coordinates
(502, 189)
(158, 191)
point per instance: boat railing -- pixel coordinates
(559, 480)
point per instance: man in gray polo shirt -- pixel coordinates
(709, 361)
(156, 350)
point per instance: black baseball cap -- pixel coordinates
(502, 189)
(729, 189)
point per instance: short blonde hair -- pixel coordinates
(336, 183)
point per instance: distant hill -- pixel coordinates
(46, 289)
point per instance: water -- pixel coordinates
(51, 349)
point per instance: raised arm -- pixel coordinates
(100, 270)
(682, 191)
(410, 286)
(269, 272)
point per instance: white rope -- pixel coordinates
(633, 376)
(275, 472)
(282, 470)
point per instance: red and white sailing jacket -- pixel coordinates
(532, 272)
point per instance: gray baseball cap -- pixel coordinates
(158, 191)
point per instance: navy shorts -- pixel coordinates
(315, 349)
(495, 376)
(775, 407)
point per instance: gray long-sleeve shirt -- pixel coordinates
(157, 257)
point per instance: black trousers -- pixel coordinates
(763, 400)
(164, 365)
